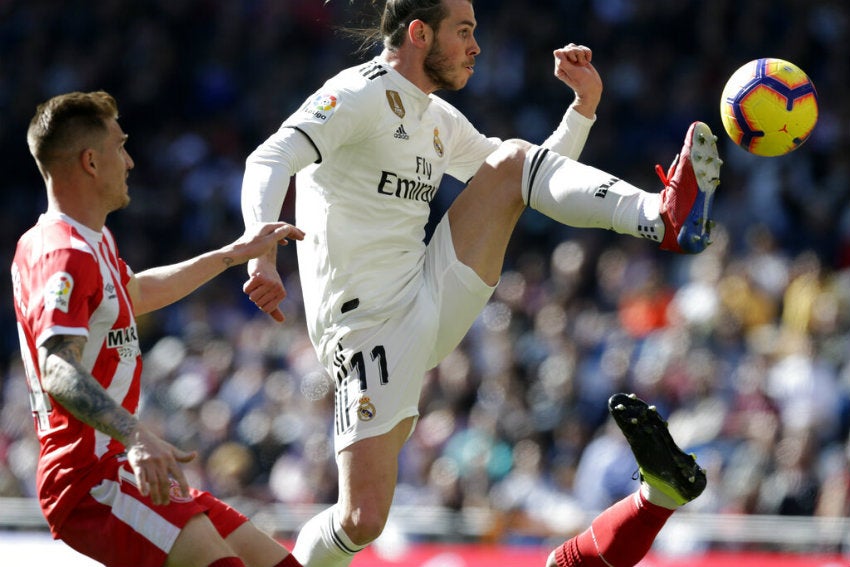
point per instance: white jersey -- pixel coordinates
(384, 146)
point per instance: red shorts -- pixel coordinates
(116, 525)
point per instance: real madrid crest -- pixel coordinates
(394, 99)
(438, 144)
(366, 409)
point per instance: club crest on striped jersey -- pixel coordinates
(175, 494)
(394, 100)
(57, 292)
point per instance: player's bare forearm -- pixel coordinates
(155, 288)
(70, 385)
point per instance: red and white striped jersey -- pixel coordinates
(69, 280)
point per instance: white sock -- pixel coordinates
(582, 196)
(323, 543)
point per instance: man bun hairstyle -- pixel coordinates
(391, 22)
(399, 13)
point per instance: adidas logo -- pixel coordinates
(400, 134)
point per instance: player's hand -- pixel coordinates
(262, 239)
(155, 463)
(573, 66)
(264, 287)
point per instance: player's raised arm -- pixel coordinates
(573, 66)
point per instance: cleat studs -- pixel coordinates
(652, 408)
(633, 396)
(634, 421)
(620, 407)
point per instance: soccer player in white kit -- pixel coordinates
(108, 486)
(370, 148)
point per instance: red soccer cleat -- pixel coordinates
(689, 191)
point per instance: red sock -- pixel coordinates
(227, 562)
(618, 537)
(288, 561)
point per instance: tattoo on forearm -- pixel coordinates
(77, 390)
(228, 261)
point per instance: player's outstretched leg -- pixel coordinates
(688, 193)
(662, 464)
(581, 196)
(622, 534)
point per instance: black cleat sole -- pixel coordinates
(661, 462)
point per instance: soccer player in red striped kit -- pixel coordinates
(108, 486)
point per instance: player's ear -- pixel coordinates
(419, 33)
(88, 161)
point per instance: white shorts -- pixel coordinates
(378, 371)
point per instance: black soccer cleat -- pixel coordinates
(661, 463)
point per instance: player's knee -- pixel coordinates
(364, 525)
(507, 162)
(510, 155)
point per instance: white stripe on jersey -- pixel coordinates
(106, 313)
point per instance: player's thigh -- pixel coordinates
(369, 472)
(255, 547)
(94, 530)
(117, 525)
(484, 214)
(459, 291)
(198, 545)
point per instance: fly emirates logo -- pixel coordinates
(420, 189)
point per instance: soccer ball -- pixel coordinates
(769, 107)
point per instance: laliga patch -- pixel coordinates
(57, 292)
(322, 106)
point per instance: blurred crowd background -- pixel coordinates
(745, 347)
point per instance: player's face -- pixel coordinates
(117, 164)
(451, 58)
